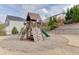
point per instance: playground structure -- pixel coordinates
(31, 29)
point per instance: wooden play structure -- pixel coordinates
(31, 29)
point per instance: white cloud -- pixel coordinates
(45, 10)
(69, 6)
(43, 13)
(54, 11)
(30, 7)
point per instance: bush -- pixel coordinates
(52, 23)
(52, 27)
(72, 13)
(14, 30)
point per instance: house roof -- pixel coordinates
(34, 16)
(14, 18)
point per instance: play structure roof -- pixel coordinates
(34, 16)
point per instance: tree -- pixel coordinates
(68, 15)
(72, 14)
(52, 23)
(54, 19)
(14, 30)
(75, 13)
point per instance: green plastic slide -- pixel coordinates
(45, 33)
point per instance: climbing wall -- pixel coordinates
(37, 35)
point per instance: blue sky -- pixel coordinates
(21, 10)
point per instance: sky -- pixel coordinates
(21, 10)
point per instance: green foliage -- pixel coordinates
(52, 23)
(72, 14)
(68, 15)
(44, 26)
(14, 30)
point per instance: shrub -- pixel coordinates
(52, 23)
(14, 30)
(72, 13)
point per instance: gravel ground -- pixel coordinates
(13, 43)
(55, 44)
(73, 39)
(5, 51)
